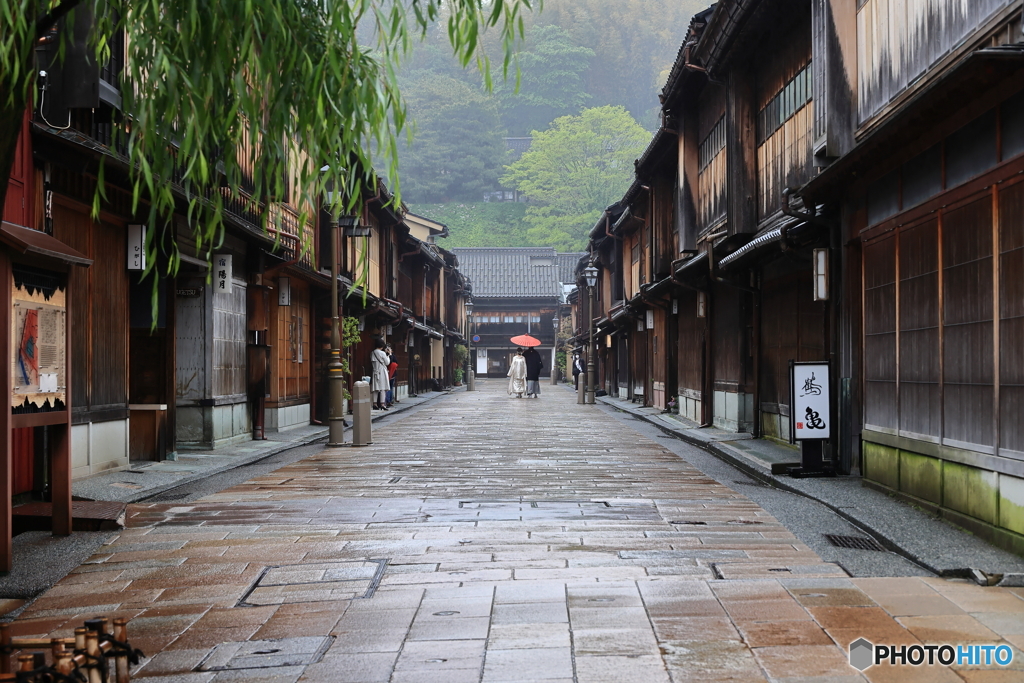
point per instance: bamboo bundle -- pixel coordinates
(89, 656)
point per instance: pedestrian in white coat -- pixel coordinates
(380, 381)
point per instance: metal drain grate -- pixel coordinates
(296, 583)
(267, 654)
(688, 522)
(854, 542)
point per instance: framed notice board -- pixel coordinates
(810, 405)
(38, 346)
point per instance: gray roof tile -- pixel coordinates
(526, 272)
(567, 262)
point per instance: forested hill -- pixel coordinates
(599, 62)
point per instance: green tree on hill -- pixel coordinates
(552, 71)
(457, 149)
(480, 224)
(573, 170)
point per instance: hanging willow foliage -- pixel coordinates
(227, 100)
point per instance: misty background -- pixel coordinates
(536, 167)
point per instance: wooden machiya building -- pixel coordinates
(515, 291)
(930, 204)
(140, 383)
(413, 297)
(849, 195)
(744, 121)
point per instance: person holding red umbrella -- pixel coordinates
(533, 367)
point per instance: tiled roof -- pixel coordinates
(516, 147)
(567, 266)
(529, 272)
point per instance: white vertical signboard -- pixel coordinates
(284, 291)
(136, 247)
(222, 273)
(809, 410)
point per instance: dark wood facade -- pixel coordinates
(886, 140)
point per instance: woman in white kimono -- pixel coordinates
(517, 375)
(380, 381)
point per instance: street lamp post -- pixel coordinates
(470, 375)
(554, 350)
(335, 370)
(590, 272)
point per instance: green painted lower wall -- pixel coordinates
(881, 463)
(988, 503)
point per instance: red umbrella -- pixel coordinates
(525, 340)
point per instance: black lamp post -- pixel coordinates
(590, 273)
(554, 350)
(470, 372)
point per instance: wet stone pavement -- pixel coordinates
(487, 539)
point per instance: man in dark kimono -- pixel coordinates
(533, 366)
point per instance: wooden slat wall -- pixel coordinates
(880, 334)
(659, 359)
(20, 200)
(919, 367)
(292, 342)
(1011, 317)
(784, 160)
(691, 343)
(958, 383)
(109, 302)
(792, 328)
(897, 40)
(229, 338)
(99, 307)
(638, 346)
(73, 228)
(431, 293)
(663, 219)
(629, 244)
(373, 276)
(967, 323)
(731, 329)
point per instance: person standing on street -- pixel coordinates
(577, 370)
(533, 367)
(517, 375)
(392, 376)
(380, 383)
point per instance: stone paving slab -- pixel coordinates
(926, 540)
(488, 540)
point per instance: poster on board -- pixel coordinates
(38, 353)
(810, 406)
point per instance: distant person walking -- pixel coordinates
(577, 369)
(517, 375)
(380, 382)
(533, 367)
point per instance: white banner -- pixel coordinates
(810, 414)
(222, 273)
(136, 247)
